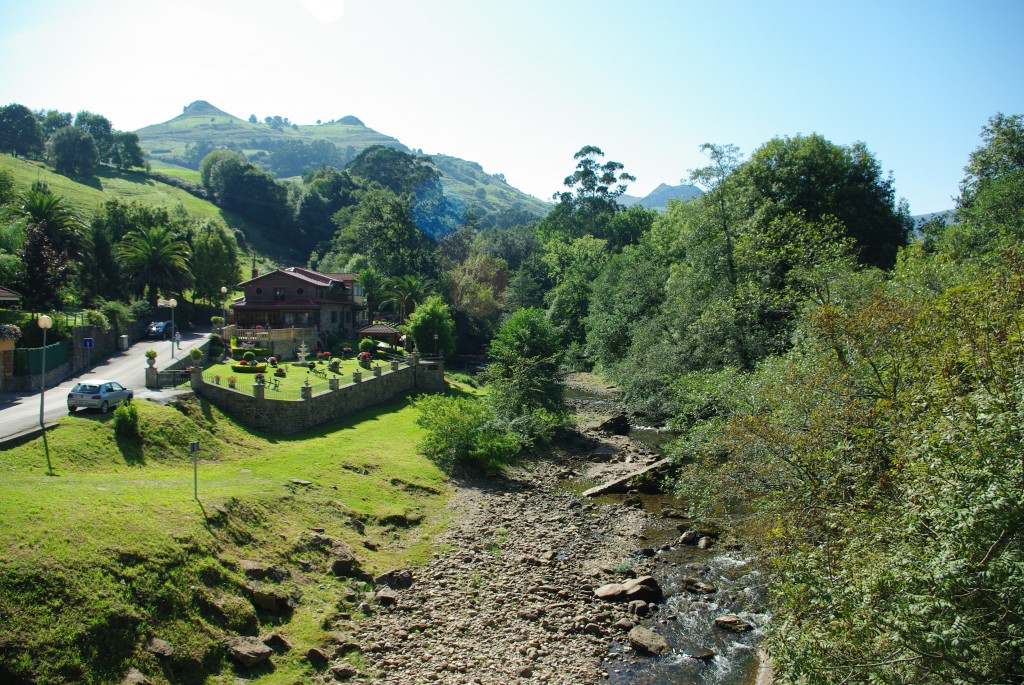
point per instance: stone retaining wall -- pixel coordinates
(290, 416)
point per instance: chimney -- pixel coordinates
(255, 271)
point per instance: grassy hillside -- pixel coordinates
(87, 194)
(113, 550)
(480, 192)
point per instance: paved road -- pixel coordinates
(19, 412)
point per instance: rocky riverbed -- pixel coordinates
(510, 595)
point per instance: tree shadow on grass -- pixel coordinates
(131, 449)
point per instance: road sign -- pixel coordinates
(87, 343)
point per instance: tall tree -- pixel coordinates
(20, 131)
(405, 292)
(101, 130)
(72, 151)
(214, 261)
(374, 283)
(155, 260)
(126, 151)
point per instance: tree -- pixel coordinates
(431, 318)
(405, 292)
(46, 270)
(20, 131)
(526, 385)
(374, 283)
(154, 260)
(382, 229)
(812, 177)
(62, 225)
(101, 130)
(52, 120)
(591, 201)
(126, 151)
(72, 151)
(214, 261)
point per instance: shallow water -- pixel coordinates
(686, 620)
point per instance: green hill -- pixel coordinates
(87, 194)
(285, 150)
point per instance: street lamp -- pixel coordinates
(172, 303)
(224, 307)
(45, 323)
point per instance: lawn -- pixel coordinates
(289, 386)
(113, 549)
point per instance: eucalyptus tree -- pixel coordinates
(155, 260)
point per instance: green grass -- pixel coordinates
(290, 385)
(113, 548)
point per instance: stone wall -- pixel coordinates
(290, 416)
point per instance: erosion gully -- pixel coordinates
(687, 620)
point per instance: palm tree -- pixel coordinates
(406, 291)
(154, 259)
(374, 282)
(63, 228)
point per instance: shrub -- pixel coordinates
(117, 313)
(97, 320)
(216, 352)
(249, 356)
(244, 367)
(150, 354)
(8, 331)
(195, 353)
(465, 379)
(216, 340)
(126, 421)
(461, 435)
(367, 345)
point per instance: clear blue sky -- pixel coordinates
(520, 86)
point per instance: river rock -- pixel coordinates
(644, 588)
(247, 651)
(733, 623)
(343, 671)
(317, 658)
(698, 587)
(399, 579)
(702, 655)
(646, 641)
(386, 597)
(603, 453)
(617, 424)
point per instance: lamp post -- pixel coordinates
(45, 323)
(435, 344)
(172, 303)
(224, 307)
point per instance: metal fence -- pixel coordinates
(28, 361)
(172, 378)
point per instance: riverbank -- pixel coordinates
(509, 595)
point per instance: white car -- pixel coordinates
(98, 394)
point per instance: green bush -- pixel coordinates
(249, 356)
(126, 421)
(461, 435)
(367, 345)
(216, 352)
(249, 368)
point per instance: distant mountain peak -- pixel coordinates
(202, 108)
(659, 197)
(351, 121)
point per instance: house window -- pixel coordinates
(278, 293)
(300, 291)
(259, 291)
(334, 316)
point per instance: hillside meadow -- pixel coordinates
(112, 549)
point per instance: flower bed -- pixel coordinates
(249, 368)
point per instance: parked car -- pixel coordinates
(100, 394)
(160, 329)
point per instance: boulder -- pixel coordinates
(160, 648)
(386, 597)
(733, 623)
(645, 641)
(603, 453)
(702, 655)
(248, 651)
(343, 562)
(135, 677)
(343, 671)
(317, 658)
(270, 599)
(697, 587)
(612, 592)
(399, 579)
(277, 642)
(644, 588)
(617, 424)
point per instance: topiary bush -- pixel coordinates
(367, 345)
(249, 356)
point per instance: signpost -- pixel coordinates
(87, 345)
(193, 448)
